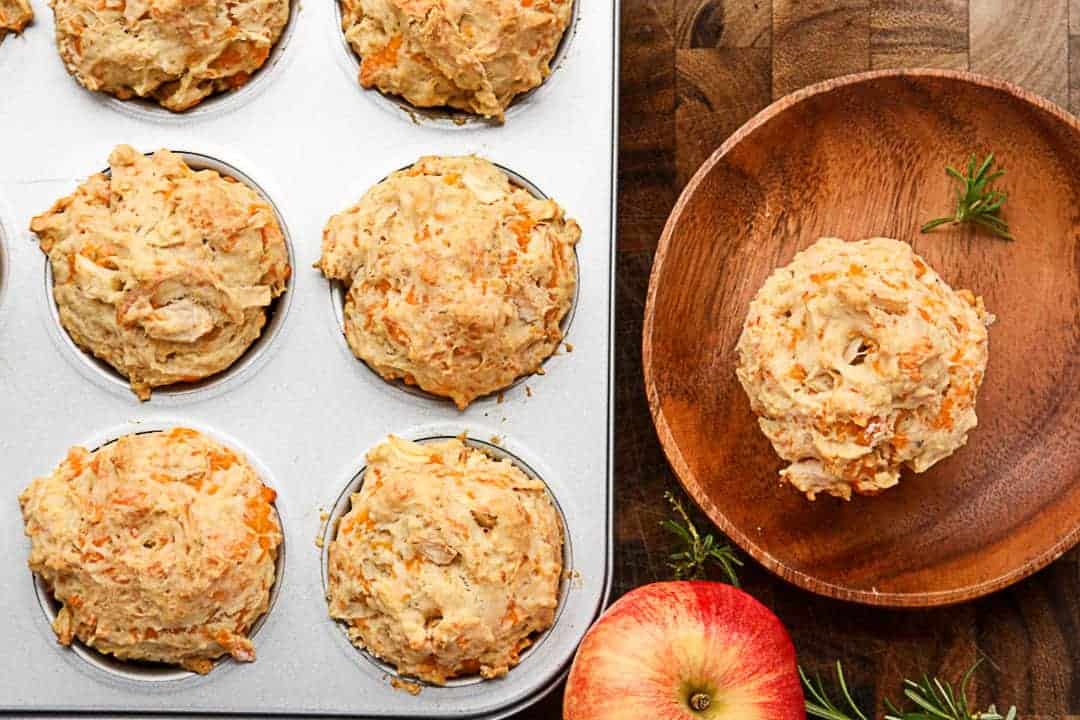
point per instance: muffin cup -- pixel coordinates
(343, 504)
(448, 118)
(219, 103)
(338, 292)
(140, 671)
(104, 375)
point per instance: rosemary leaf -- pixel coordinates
(691, 560)
(934, 699)
(976, 201)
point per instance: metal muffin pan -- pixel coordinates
(313, 142)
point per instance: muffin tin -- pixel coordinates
(299, 405)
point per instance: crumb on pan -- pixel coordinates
(413, 688)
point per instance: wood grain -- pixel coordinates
(1074, 73)
(718, 90)
(1031, 48)
(647, 123)
(724, 23)
(815, 40)
(931, 33)
(860, 158)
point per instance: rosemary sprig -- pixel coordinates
(820, 705)
(697, 551)
(976, 201)
(934, 700)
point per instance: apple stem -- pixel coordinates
(700, 701)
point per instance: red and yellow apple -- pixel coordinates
(685, 650)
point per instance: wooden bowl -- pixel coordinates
(858, 157)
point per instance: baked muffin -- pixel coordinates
(474, 56)
(159, 546)
(15, 15)
(859, 359)
(164, 272)
(176, 52)
(448, 561)
(458, 280)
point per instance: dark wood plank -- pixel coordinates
(717, 91)
(815, 40)
(1039, 621)
(646, 122)
(724, 23)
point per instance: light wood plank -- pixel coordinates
(718, 90)
(1074, 74)
(1025, 42)
(815, 40)
(919, 33)
(724, 23)
(957, 60)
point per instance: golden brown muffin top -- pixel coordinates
(458, 280)
(448, 561)
(162, 271)
(858, 358)
(160, 546)
(176, 52)
(475, 55)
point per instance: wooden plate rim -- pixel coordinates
(671, 448)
